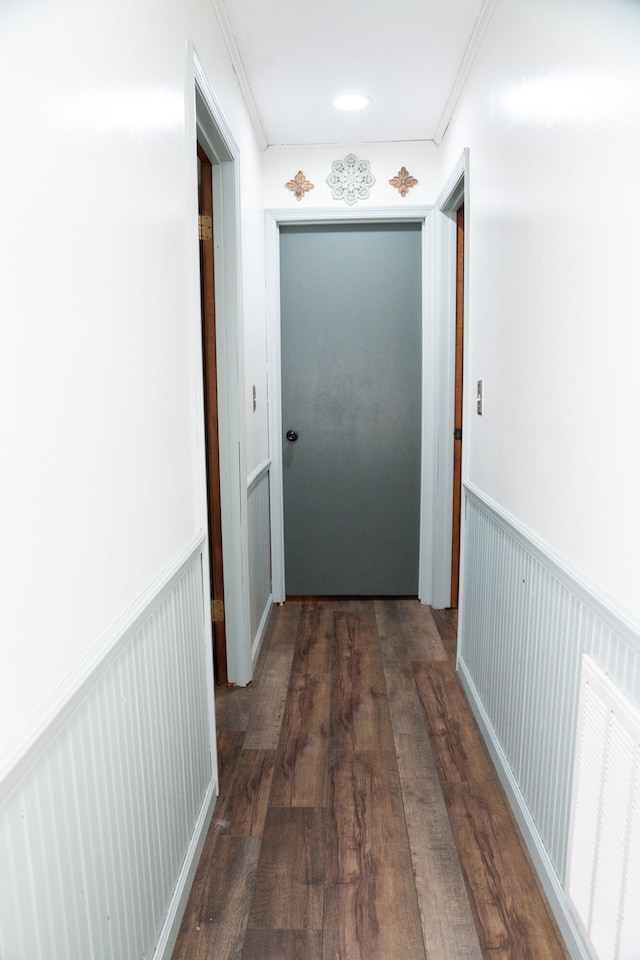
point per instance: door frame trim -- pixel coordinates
(443, 304)
(274, 218)
(208, 125)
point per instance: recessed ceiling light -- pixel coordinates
(351, 101)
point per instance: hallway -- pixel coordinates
(359, 816)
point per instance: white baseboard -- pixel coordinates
(169, 934)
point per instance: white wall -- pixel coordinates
(98, 367)
(551, 113)
(281, 164)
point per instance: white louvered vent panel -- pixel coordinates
(630, 932)
(603, 873)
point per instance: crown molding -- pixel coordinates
(463, 71)
(238, 69)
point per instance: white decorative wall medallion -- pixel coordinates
(300, 185)
(350, 179)
(403, 182)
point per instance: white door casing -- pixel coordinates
(209, 126)
(437, 397)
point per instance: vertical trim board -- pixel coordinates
(259, 523)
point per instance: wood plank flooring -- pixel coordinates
(359, 815)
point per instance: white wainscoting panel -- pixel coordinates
(526, 621)
(261, 597)
(99, 815)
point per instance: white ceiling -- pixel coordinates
(294, 56)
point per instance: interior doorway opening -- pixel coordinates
(212, 443)
(430, 555)
(450, 319)
(229, 541)
(457, 411)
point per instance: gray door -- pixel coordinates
(351, 390)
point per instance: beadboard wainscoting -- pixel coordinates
(103, 814)
(261, 595)
(526, 621)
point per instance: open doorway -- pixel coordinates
(451, 240)
(457, 411)
(212, 444)
(219, 348)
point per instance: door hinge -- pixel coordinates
(457, 433)
(205, 227)
(217, 611)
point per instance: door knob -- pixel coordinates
(292, 435)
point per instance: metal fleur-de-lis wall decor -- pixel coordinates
(403, 181)
(300, 185)
(350, 179)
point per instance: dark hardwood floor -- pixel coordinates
(359, 815)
